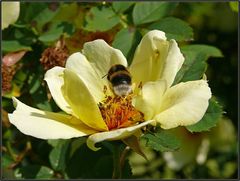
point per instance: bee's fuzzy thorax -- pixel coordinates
(120, 79)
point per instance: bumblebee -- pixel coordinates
(120, 79)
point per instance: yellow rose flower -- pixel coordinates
(10, 13)
(92, 108)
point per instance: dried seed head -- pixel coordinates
(80, 37)
(55, 56)
(7, 76)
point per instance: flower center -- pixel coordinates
(118, 112)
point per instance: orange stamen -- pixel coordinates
(118, 112)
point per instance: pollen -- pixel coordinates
(118, 112)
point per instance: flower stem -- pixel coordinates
(118, 160)
(123, 156)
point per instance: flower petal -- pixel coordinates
(147, 58)
(10, 13)
(114, 135)
(102, 56)
(156, 58)
(81, 101)
(184, 104)
(172, 63)
(54, 79)
(46, 125)
(78, 63)
(149, 100)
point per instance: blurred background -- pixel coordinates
(45, 34)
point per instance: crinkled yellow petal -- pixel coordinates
(184, 104)
(150, 98)
(172, 63)
(78, 63)
(114, 135)
(81, 101)
(156, 58)
(46, 125)
(102, 56)
(54, 79)
(148, 57)
(10, 13)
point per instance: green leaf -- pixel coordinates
(83, 161)
(124, 40)
(35, 171)
(7, 160)
(34, 81)
(101, 19)
(56, 31)
(38, 14)
(51, 35)
(31, 10)
(210, 119)
(13, 46)
(58, 155)
(136, 40)
(146, 12)
(6, 167)
(71, 13)
(174, 28)
(193, 67)
(45, 16)
(209, 51)
(76, 144)
(40, 100)
(127, 41)
(44, 172)
(67, 12)
(234, 6)
(25, 36)
(162, 141)
(195, 64)
(103, 167)
(121, 6)
(54, 142)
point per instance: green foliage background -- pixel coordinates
(202, 29)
